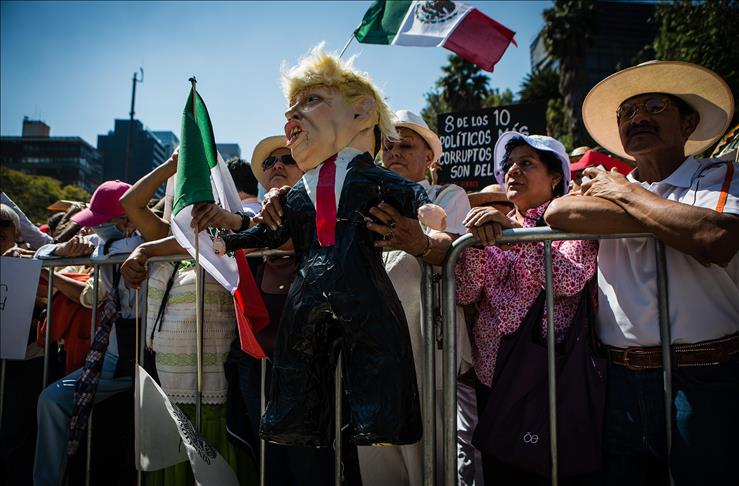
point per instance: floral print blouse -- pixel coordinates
(507, 282)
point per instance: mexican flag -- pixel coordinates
(202, 176)
(456, 26)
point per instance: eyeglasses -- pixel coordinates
(270, 161)
(651, 106)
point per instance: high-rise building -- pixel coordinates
(621, 31)
(70, 160)
(168, 140)
(147, 152)
(229, 150)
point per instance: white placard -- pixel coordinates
(18, 283)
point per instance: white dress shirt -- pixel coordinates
(310, 178)
(703, 300)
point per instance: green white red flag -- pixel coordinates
(202, 176)
(456, 26)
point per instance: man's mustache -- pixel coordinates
(642, 128)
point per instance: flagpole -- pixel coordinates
(347, 44)
(198, 298)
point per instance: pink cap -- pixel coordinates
(593, 158)
(104, 204)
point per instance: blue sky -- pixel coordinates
(70, 63)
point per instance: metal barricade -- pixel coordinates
(547, 236)
(429, 302)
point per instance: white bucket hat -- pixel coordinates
(414, 122)
(699, 87)
(538, 142)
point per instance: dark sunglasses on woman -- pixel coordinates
(272, 160)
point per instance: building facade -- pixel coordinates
(70, 160)
(147, 152)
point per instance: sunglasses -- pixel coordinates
(652, 106)
(6, 223)
(270, 161)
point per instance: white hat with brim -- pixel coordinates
(262, 151)
(538, 142)
(408, 119)
(699, 87)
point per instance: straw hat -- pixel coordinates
(699, 87)
(63, 205)
(408, 119)
(488, 194)
(580, 151)
(265, 147)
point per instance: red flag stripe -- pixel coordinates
(480, 40)
(251, 312)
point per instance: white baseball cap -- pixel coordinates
(538, 142)
(410, 120)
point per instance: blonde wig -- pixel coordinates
(320, 68)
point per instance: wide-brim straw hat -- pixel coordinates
(265, 147)
(699, 87)
(488, 194)
(408, 119)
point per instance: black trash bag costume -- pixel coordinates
(341, 299)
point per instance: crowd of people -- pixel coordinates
(652, 122)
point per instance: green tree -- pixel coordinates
(33, 194)
(497, 98)
(568, 29)
(540, 85)
(462, 87)
(704, 33)
(558, 122)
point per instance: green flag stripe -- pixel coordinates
(382, 21)
(197, 157)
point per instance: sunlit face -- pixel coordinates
(281, 174)
(647, 132)
(528, 181)
(320, 122)
(409, 157)
(124, 224)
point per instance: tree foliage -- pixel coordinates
(33, 194)
(705, 33)
(462, 87)
(540, 85)
(568, 29)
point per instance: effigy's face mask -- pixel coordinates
(320, 122)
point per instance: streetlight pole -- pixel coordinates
(130, 123)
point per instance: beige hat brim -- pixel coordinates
(431, 138)
(480, 198)
(701, 88)
(265, 147)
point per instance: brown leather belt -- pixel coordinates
(704, 353)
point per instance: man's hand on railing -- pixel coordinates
(487, 224)
(133, 270)
(209, 215)
(75, 247)
(18, 252)
(271, 213)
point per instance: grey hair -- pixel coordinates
(6, 212)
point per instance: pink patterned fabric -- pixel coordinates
(506, 283)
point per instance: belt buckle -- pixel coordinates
(627, 361)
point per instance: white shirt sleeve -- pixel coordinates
(29, 231)
(710, 185)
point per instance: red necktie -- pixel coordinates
(326, 203)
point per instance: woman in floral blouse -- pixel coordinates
(505, 281)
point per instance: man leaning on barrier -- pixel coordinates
(661, 114)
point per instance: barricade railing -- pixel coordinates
(547, 236)
(446, 301)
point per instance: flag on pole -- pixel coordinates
(202, 176)
(162, 431)
(456, 26)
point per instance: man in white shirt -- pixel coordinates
(660, 114)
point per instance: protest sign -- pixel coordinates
(468, 139)
(18, 284)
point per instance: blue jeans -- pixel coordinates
(54, 411)
(705, 426)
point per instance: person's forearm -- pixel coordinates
(439, 244)
(163, 247)
(136, 202)
(69, 287)
(707, 235)
(590, 215)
